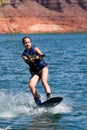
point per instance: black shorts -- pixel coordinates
(39, 73)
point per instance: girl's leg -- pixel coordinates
(32, 85)
(44, 79)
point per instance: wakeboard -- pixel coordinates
(51, 102)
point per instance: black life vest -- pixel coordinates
(36, 65)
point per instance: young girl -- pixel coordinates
(38, 68)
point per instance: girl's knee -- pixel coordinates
(30, 85)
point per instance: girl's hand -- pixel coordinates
(37, 57)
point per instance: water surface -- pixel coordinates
(66, 55)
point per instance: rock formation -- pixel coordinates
(41, 16)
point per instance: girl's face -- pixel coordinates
(27, 43)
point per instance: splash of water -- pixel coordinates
(14, 105)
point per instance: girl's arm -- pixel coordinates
(24, 58)
(38, 51)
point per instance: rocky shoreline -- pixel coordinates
(18, 26)
(38, 17)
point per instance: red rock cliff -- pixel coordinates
(40, 16)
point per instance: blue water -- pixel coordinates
(67, 61)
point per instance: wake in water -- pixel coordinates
(16, 105)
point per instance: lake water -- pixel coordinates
(66, 55)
